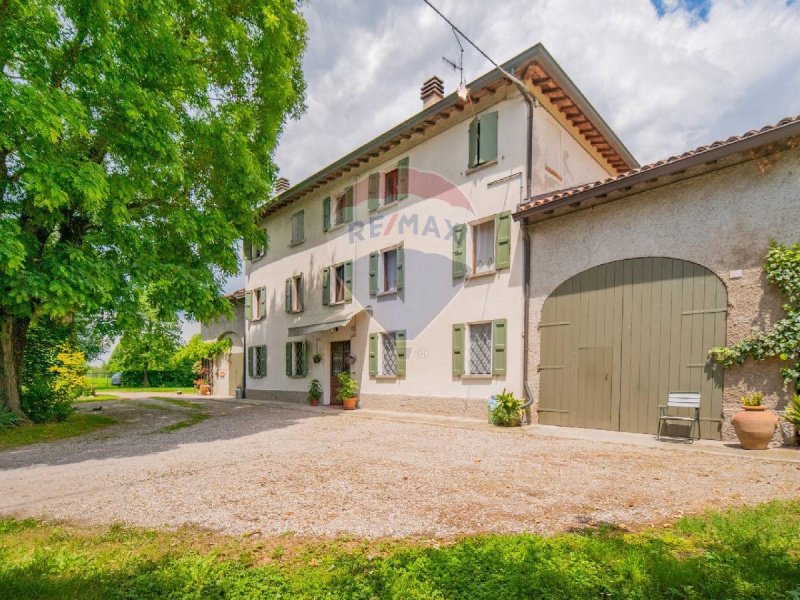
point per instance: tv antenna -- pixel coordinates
(452, 64)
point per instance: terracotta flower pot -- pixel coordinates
(314, 401)
(350, 403)
(754, 427)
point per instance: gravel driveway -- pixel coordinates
(278, 468)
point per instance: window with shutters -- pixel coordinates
(257, 357)
(483, 139)
(296, 293)
(388, 281)
(296, 359)
(343, 208)
(339, 283)
(254, 251)
(256, 304)
(298, 228)
(479, 349)
(391, 185)
(483, 247)
(388, 353)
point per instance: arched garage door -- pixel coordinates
(616, 339)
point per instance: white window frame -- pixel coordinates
(255, 303)
(468, 348)
(296, 307)
(337, 283)
(473, 242)
(257, 374)
(382, 279)
(339, 209)
(388, 198)
(382, 336)
(295, 363)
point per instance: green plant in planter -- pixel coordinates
(754, 399)
(314, 390)
(348, 387)
(507, 411)
(792, 414)
(317, 358)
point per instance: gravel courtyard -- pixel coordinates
(278, 468)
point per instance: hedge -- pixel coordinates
(165, 378)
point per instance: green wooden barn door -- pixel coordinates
(616, 339)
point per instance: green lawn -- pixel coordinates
(748, 553)
(76, 424)
(97, 398)
(198, 415)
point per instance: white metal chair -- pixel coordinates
(680, 400)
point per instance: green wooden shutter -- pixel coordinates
(262, 363)
(374, 194)
(373, 273)
(288, 294)
(248, 305)
(250, 361)
(400, 340)
(502, 240)
(326, 214)
(473, 143)
(289, 350)
(348, 205)
(458, 349)
(262, 303)
(402, 179)
(326, 286)
(459, 251)
(301, 300)
(304, 354)
(487, 144)
(499, 347)
(247, 248)
(348, 280)
(400, 276)
(373, 354)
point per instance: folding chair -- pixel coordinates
(680, 400)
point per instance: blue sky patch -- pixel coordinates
(698, 8)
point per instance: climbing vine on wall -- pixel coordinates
(782, 269)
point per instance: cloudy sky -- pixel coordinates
(667, 75)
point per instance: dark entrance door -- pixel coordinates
(339, 350)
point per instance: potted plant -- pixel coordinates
(317, 358)
(348, 390)
(792, 416)
(755, 425)
(314, 392)
(506, 410)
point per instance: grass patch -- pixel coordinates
(29, 433)
(745, 553)
(198, 415)
(97, 398)
(110, 388)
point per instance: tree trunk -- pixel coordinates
(13, 336)
(145, 380)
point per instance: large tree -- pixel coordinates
(136, 140)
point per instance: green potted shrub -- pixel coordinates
(792, 416)
(348, 391)
(507, 410)
(754, 426)
(314, 392)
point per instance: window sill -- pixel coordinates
(480, 167)
(255, 259)
(297, 376)
(387, 293)
(338, 303)
(294, 243)
(295, 312)
(257, 320)
(385, 377)
(480, 275)
(337, 227)
(478, 377)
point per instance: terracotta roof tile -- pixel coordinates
(565, 193)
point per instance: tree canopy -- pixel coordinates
(136, 140)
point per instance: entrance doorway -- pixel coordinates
(339, 353)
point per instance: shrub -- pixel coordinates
(507, 411)
(42, 403)
(315, 390)
(8, 419)
(165, 378)
(792, 413)
(70, 370)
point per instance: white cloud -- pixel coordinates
(664, 84)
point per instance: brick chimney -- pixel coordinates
(281, 185)
(432, 91)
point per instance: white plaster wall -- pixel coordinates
(443, 193)
(722, 220)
